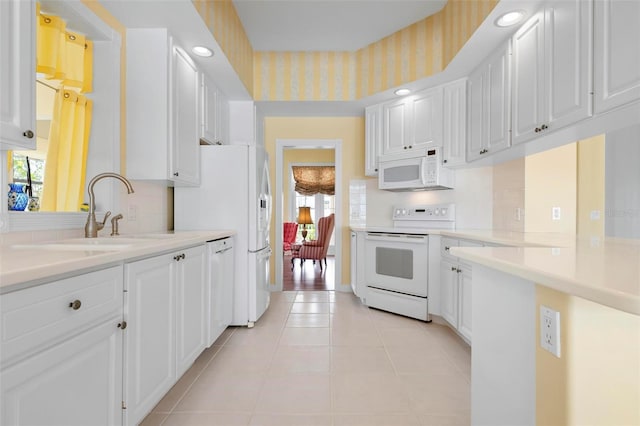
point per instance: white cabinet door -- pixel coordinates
(616, 53)
(395, 136)
(464, 302)
(17, 74)
(552, 76)
(372, 139)
(449, 292)
(498, 98)
(568, 62)
(215, 113)
(191, 307)
(78, 382)
(150, 334)
(426, 119)
(185, 114)
(353, 265)
(490, 106)
(455, 123)
(528, 79)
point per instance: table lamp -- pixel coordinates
(304, 219)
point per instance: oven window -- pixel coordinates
(402, 173)
(394, 262)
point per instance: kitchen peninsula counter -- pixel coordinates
(32, 263)
(605, 271)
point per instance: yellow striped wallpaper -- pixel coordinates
(223, 22)
(417, 51)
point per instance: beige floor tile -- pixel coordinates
(231, 393)
(154, 419)
(355, 335)
(441, 394)
(301, 359)
(305, 336)
(436, 420)
(258, 337)
(409, 337)
(358, 359)
(313, 296)
(238, 359)
(291, 420)
(409, 360)
(208, 419)
(376, 420)
(224, 336)
(368, 394)
(308, 320)
(310, 308)
(295, 394)
(384, 319)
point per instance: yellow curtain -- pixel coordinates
(67, 154)
(64, 55)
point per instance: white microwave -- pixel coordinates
(421, 173)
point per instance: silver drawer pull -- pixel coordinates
(446, 248)
(75, 305)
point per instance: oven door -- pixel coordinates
(397, 262)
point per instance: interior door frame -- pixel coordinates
(281, 145)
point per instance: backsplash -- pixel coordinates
(148, 209)
(508, 196)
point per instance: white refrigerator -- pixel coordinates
(235, 194)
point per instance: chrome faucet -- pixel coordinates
(92, 226)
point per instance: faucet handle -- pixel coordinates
(104, 221)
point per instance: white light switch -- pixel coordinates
(595, 215)
(556, 213)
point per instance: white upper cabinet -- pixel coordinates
(489, 106)
(373, 139)
(617, 54)
(215, 113)
(17, 74)
(552, 78)
(185, 119)
(163, 109)
(455, 123)
(426, 120)
(413, 122)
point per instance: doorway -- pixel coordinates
(283, 210)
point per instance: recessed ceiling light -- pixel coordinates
(402, 92)
(202, 51)
(510, 18)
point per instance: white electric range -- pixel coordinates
(397, 267)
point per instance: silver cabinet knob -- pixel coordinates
(75, 305)
(28, 134)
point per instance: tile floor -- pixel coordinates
(322, 358)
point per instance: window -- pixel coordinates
(19, 172)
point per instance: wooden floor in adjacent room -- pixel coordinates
(308, 276)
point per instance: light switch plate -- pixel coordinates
(556, 213)
(550, 330)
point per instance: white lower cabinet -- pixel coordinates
(455, 287)
(61, 347)
(220, 279)
(358, 284)
(165, 314)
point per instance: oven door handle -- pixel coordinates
(393, 238)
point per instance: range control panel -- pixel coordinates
(434, 212)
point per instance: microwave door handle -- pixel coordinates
(423, 169)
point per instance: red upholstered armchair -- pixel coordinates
(317, 249)
(290, 229)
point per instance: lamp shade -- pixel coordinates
(304, 216)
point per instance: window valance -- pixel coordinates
(311, 180)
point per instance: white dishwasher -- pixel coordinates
(221, 278)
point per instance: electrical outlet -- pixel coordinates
(132, 213)
(550, 330)
(595, 215)
(556, 213)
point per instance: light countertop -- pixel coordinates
(604, 271)
(22, 265)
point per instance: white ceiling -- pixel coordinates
(327, 25)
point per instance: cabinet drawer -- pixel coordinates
(38, 317)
